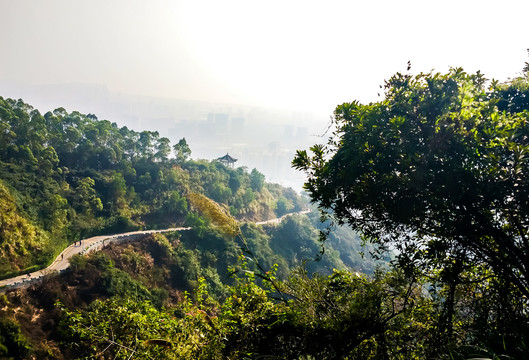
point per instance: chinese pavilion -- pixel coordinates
(227, 160)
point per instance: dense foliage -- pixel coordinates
(436, 170)
(65, 176)
(332, 317)
(439, 171)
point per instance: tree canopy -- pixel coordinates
(437, 169)
(65, 176)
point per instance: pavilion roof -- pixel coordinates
(227, 158)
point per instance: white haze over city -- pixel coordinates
(217, 72)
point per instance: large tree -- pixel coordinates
(438, 169)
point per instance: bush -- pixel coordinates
(12, 343)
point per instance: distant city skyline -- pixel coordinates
(261, 138)
(166, 64)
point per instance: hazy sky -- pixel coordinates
(308, 55)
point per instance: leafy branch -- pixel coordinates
(228, 226)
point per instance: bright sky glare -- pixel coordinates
(306, 55)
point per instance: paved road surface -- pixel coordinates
(95, 243)
(83, 246)
(278, 220)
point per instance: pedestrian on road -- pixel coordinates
(62, 256)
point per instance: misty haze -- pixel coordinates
(259, 137)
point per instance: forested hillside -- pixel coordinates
(434, 176)
(65, 176)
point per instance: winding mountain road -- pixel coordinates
(84, 246)
(278, 220)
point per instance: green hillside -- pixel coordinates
(434, 177)
(68, 176)
(22, 242)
